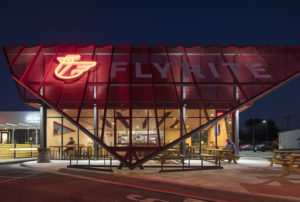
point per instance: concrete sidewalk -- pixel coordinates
(251, 176)
(21, 160)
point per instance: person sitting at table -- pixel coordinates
(70, 145)
(230, 145)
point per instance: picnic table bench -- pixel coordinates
(293, 164)
(224, 154)
(281, 156)
(288, 159)
(171, 154)
(207, 157)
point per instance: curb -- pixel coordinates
(17, 161)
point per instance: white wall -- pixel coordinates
(289, 139)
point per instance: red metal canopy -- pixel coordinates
(149, 77)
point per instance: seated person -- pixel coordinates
(230, 145)
(71, 145)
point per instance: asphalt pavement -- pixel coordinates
(22, 183)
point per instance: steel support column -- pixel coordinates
(43, 126)
(95, 131)
(236, 124)
(62, 137)
(13, 136)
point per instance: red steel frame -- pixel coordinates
(26, 64)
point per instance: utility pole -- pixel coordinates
(253, 133)
(266, 122)
(288, 118)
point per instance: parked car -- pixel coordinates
(246, 147)
(263, 148)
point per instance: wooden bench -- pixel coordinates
(207, 157)
(230, 157)
(171, 154)
(292, 164)
(279, 155)
(279, 161)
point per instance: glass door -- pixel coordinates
(122, 132)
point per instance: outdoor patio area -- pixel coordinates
(251, 175)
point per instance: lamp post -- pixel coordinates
(253, 134)
(266, 122)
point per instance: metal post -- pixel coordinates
(200, 146)
(78, 148)
(236, 124)
(184, 118)
(95, 130)
(267, 130)
(110, 163)
(253, 133)
(13, 136)
(62, 137)
(28, 134)
(15, 151)
(36, 139)
(43, 126)
(190, 153)
(31, 150)
(216, 137)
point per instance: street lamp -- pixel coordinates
(253, 134)
(266, 122)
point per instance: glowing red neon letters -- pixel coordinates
(71, 68)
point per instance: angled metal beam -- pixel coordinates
(49, 65)
(28, 67)
(197, 130)
(85, 86)
(10, 63)
(232, 74)
(180, 104)
(197, 88)
(154, 98)
(106, 99)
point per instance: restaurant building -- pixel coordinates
(134, 102)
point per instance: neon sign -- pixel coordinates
(70, 67)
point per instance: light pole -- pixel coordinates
(266, 122)
(253, 134)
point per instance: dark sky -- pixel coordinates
(171, 22)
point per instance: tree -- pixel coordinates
(263, 131)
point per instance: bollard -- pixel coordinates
(43, 155)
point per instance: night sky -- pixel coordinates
(154, 22)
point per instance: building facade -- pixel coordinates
(135, 102)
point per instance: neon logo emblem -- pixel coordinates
(70, 67)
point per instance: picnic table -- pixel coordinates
(224, 154)
(171, 154)
(288, 159)
(282, 156)
(294, 164)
